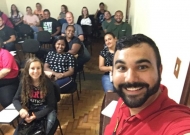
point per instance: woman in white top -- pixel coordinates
(84, 19)
(17, 18)
(32, 20)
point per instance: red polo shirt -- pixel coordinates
(163, 117)
(7, 61)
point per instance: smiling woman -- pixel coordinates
(36, 93)
(59, 64)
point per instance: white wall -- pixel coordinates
(168, 24)
(74, 6)
(3, 6)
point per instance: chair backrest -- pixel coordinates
(30, 46)
(25, 29)
(44, 36)
(75, 70)
(87, 30)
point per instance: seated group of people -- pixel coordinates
(35, 90)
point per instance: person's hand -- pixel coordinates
(30, 118)
(97, 10)
(48, 74)
(23, 113)
(58, 75)
(110, 68)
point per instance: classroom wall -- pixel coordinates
(167, 23)
(73, 5)
(3, 6)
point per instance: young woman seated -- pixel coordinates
(35, 94)
(32, 20)
(39, 11)
(60, 64)
(84, 18)
(16, 17)
(8, 76)
(75, 46)
(62, 14)
(106, 60)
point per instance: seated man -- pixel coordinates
(50, 24)
(70, 21)
(6, 20)
(8, 36)
(119, 28)
(144, 107)
(108, 21)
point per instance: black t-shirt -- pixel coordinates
(76, 40)
(36, 99)
(100, 16)
(49, 25)
(6, 32)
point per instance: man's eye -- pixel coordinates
(121, 68)
(142, 67)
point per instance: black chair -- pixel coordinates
(29, 49)
(87, 31)
(71, 90)
(26, 31)
(57, 123)
(45, 39)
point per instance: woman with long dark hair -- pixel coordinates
(84, 18)
(16, 17)
(60, 64)
(35, 94)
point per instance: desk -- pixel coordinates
(104, 120)
(8, 115)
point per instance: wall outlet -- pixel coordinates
(177, 67)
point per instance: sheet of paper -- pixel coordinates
(7, 116)
(13, 53)
(109, 109)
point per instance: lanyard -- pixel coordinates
(118, 120)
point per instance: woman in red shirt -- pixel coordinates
(8, 76)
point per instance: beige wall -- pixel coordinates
(74, 5)
(3, 6)
(167, 23)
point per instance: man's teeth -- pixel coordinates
(134, 88)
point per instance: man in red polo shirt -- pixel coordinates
(144, 107)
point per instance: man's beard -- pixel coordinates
(133, 101)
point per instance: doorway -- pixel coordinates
(185, 97)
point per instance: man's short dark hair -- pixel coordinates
(47, 10)
(129, 41)
(101, 4)
(119, 11)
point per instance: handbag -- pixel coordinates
(36, 127)
(86, 55)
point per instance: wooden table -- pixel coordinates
(104, 120)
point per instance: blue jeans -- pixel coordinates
(9, 46)
(51, 117)
(35, 29)
(65, 84)
(107, 85)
